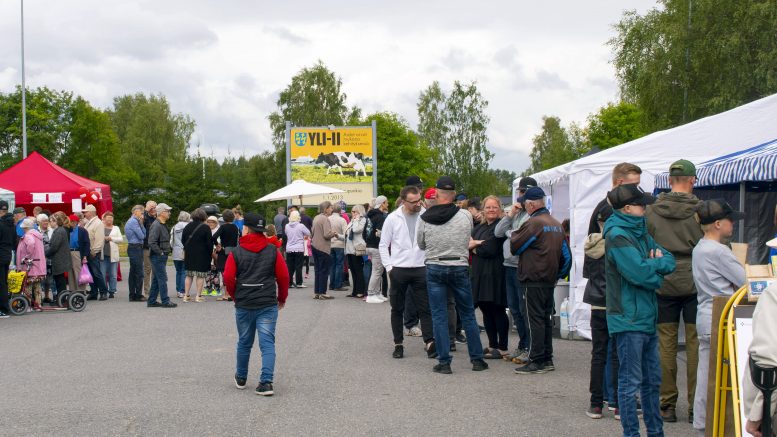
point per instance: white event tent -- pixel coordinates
(576, 187)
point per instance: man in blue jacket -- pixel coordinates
(635, 268)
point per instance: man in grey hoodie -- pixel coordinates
(510, 223)
(444, 232)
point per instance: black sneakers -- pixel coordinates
(453, 346)
(264, 389)
(444, 368)
(479, 365)
(531, 369)
(399, 351)
(240, 382)
(548, 365)
(460, 338)
(431, 350)
(169, 305)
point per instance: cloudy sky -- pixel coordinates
(225, 62)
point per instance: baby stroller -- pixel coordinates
(20, 288)
(213, 282)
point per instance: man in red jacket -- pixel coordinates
(257, 279)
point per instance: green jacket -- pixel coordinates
(632, 276)
(673, 223)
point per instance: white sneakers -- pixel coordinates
(375, 299)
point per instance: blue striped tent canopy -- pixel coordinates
(758, 163)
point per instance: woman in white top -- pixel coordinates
(355, 249)
(110, 262)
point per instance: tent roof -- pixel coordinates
(697, 141)
(758, 163)
(37, 174)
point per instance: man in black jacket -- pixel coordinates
(7, 245)
(149, 215)
(593, 270)
(159, 249)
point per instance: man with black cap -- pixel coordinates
(7, 245)
(635, 268)
(159, 249)
(444, 232)
(716, 272)
(673, 223)
(544, 258)
(257, 279)
(595, 296)
(505, 228)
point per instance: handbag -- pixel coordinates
(85, 277)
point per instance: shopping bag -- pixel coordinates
(15, 281)
(85, 277)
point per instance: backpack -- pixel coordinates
(367, 231)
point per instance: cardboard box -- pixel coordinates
(758, 278)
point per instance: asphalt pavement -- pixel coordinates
(119, 368)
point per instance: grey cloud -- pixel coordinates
(543, 80)
(458, 59)
(286, 34)
(506, 56)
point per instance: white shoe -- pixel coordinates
(374, 299)
(384, 299)
(415, 331)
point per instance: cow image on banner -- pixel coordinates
(338, 157)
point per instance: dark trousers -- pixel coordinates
(515, 300)
(4, 287)
(135, 280)
(356, 264)
(497, 324)
(412, 280)
(600, 342)
(294, 264)
(411, 314)
(322, 264)
(60, 282)
(539, 309)
(98, 286)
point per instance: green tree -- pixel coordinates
(614, 125)
(313, 98)
(552, 146)
(150, 136)
(49, 118)
(454, 126)
(400, 154)
(685, 60)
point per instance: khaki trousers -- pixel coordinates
(146, 272)
(669, 311)
(75, 271)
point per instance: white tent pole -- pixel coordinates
(742, 208)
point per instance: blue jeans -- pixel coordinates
(639, 371)
(249, 322)
(158, 279)
(109, 270)
(440, 279)
(336, 276)
(515, 303)
(180, 276)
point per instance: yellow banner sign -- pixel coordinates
(310, 143)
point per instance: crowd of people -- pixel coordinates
(436, 258)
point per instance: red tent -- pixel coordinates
(36, 181)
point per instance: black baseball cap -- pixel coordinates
(629, 194)
(713, 210)
(4, 205)
(533, 193)
(415, 181)
(526, 182)
(444, 183)
(254, 221)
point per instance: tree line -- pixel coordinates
(144, 150)
(678, 62)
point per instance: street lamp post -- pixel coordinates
(24, 94)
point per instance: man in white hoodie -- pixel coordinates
(406, 269)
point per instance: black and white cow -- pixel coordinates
(340, 160)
